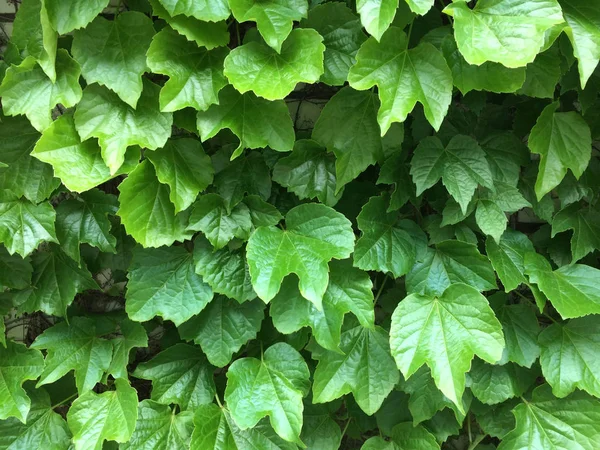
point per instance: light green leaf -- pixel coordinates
(421, 323)
(147, 224)
(180, 375)
(185, 168)
(132, 335)
(348, 127)
(273, 74)
(314, 235)
(223, 327)
(17, 365)
(27, 90)
(404, 77)
(349, 290)
(490, 218)
(376, 15)
(282, 377)
(503, 31)
(68, 15)
(103, 115)
(75, 346)
(255, 121)
(207, 10)
(195, 74)
(159, 428)
(585, 223)
(543, 74)
(493, 384)
(162, 282)
(405, 436)
(15, 272)
(112, 53)
(420, 7)
(274, 18)
(78, 164)
(94, 418)
(521, 329)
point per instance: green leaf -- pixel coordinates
(493, 384)
(585, 223)
(207, 10)
(451, 262)
(320, 430)
(543, 74)
(501, 31)
(364, 368)
(24, 225)
(17, 364)
(308, 172)
(195, 74)
(180, 375)
(421, 323)
(404, 77)
(223, 328)
(103, 115)
(159, 428)
(78, 164)
(162, 282)
(314, 235)
(133, 335)
(492, 206)
(148, 225)
(112, 53)
(15, 272)
(547, 422)
(583, 19)
(505, 154)
(273, 74)
(274, 18)
(521, 328)
(185, 168)
(75, 346)
(255, 121)
(563, 142)
(348, 127)
(404, 437)
(569, 356)
(376, 15)
(349, 290)
(282, 377)
(395, 171)
(27, 90)
(94, 418)
(462, 166)
(342, 35)
(68, 15)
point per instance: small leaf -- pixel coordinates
(404, 437)
(543, 74)
(207, 10)
(585, 223)
(376, 15)
(493, 384)
(68, 15)
(521, 328)
(15, 272)
(133, 335)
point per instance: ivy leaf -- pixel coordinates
(342, 35)
(462, 166)
(563, 142)
(569, 356)
(255, 121)
(493, 384)
(505, 154)
(185, 168)
(74, 346)
(450, 262)
(180, 375)
(94, 418)
(112, 53)
(395, 171)
(376, 15)
(274, 18)
(27, 90)
(103, 115)
(79, 165)
(225, 270)
(420, 323)
(282, 377)
(223, 327)
(585, 224)
(495, 30)
(24, 225)
(320, 430)
(364, 368)
(162, 282)
(314, 235)
(273, 74)
(133, 335)
(17, 365)
(404, 436)
(349, 290)
(543, 74)
(195, 74)
(521, 329)
(15, 272)
(404, 77)
(207, 10)
(492, 206)
(547, 422)
(308, 172)
(68, 15)
(348, 127)
(150, 226)
(158, 428)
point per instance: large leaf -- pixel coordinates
(421, 323)
(68, 15)
(376, 15)
(281, 375)
(404, 77)
(585, 223)
(207, 10)
(314, 235)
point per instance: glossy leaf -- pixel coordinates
(68, 15)
(208, 10)
(376, 15)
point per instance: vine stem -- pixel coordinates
(218, 400)
(62, 402)
(345, 428)
(380, 290)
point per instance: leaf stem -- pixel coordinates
(409, 32)
(380, 290)
(237, 33)
(476, 442)
(218, 400)
(345, 428)
(62, 402)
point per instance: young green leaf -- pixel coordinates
(405, 436)
(585, 223)
(68, 15)
(207, 10)
(376, 15)
(132, 335)
(492, 207)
